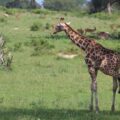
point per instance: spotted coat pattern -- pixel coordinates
(97, 58)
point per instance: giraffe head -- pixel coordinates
(61, 26)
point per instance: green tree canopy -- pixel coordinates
(3, 2)
(99, 5)
(63, 4)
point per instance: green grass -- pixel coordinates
(45, 87)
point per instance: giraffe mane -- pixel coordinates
(72, 29)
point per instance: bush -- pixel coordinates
(115, 35)
(42, 11)
(3, 20)
(17, 47)
(10, 11)
(13, 11)
(47, 26)
(105, 16)
(39, 46)
(36, 26)
(42, 47)
(2, 8)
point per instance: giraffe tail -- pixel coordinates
(119, 84)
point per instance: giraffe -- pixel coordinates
(89, 30)
(97, 58)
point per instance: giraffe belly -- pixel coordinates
(108, 67)
(110, 72)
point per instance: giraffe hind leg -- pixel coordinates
(119, 84)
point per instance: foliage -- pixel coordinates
(47, 26)
(3, 2)
(62, 4)
(3, 20)
(40, 46)
(105, 16)
(11, 11)
(115, 35)
(36, 26)
(99, 5)
(42, 11)
(17, 46)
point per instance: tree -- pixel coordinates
(99, 5)
(3, 2)
(22, 4)
(110, 3)
(33, 4)
(63, 4)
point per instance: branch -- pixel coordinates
(112, 2)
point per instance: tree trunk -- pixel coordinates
(33, 3)
(109, 8)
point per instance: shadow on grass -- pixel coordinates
(56, 114)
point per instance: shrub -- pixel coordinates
(17, 47)
(36, 26)
(47, 26)
(39, 46)
(115, 35)
(42, 11)
(13, 11)
(105, 16)
(42, 47)
(2, 8)
(3, 20)
(10, 11)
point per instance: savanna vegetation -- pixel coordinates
(42, 85)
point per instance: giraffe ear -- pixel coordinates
(68, 23)
(62, 19)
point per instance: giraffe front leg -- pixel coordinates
(93, 74)
(119, 85)
(115, 86)
(91, 102)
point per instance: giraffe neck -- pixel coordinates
(76, 38)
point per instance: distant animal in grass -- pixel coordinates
(89, 30)
(103, 35)
(80, 31)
